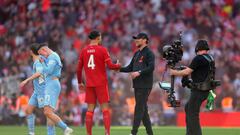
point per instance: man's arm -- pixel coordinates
(79, 72)
(188, 70)
(112, 66)
(79, 68)
(39, 69)
(32, 77)
(185, 72)
(128, 68)
(108, 61)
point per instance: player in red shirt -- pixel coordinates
(94, 58)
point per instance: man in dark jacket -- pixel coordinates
(141, 70)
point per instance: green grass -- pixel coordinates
(116, 130)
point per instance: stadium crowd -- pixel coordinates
(65, 24)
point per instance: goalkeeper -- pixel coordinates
(202, 70)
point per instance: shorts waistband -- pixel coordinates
(55, 78)
(52, 78)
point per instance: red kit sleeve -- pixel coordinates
(108, 61)
(79, 68)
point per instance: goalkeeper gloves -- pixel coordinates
(210, 100)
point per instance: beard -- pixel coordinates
(139, 45)
(99, 42)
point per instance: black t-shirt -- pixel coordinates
(200, 67)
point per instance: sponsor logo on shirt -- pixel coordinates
(141, 59)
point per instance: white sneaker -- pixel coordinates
(31, 133)
(68, 131)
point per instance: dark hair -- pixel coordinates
(42, 45)
(34, 48)
(201, 45)
(94, 34)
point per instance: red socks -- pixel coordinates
(89, 122)
(107, 121)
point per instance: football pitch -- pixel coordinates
(118, 130)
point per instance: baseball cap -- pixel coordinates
(141, 36)
(94, 34)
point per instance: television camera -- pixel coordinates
(172, 54)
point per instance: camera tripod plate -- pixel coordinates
(165, 86)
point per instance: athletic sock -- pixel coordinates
(31, 123)
(51, 130)
(89, 122)
(62, 125)
(107, 121)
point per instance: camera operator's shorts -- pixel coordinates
(99, 93)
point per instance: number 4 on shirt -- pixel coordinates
(91, 62)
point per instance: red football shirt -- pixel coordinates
(94, 58)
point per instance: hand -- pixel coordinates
(81, 86)
(118, 70)
(118, 62)
(23, 83)
(41, 59)
(134, 74)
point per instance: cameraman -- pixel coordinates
(199, 70)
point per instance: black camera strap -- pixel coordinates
(211, 72)
(208, 57)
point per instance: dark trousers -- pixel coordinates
(192, 109)
(141, 111)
